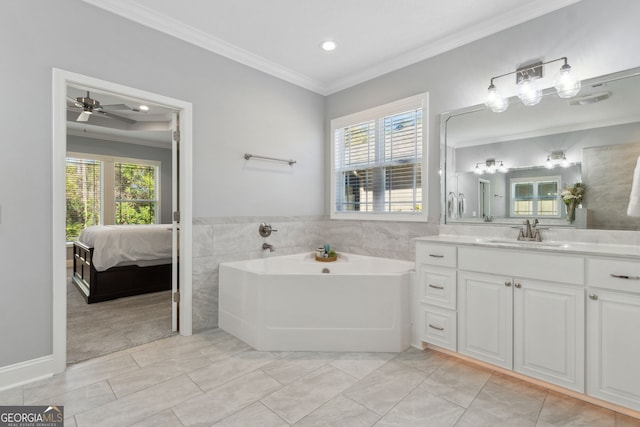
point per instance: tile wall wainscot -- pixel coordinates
(223, 239)
(610, 237)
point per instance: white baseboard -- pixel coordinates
(26, 372)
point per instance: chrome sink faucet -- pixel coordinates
(530, 232)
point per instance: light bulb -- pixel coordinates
(566, 83)
(495, 101)
(528, 91)
(548, 164)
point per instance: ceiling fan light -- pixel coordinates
(566, 83)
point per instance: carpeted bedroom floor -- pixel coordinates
(105, 327)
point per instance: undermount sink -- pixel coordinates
(515, 242)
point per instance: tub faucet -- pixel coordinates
(266, 246)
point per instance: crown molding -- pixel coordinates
(470, 34)
(168, 25)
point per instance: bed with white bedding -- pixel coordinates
(114, 261)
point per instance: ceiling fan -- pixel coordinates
(90, 106)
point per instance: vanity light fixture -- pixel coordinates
(490, 166)
(566, 85)
(557, 158)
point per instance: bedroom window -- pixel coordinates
(84, 195)
(135, 193)
(377, 166)
(132, 186)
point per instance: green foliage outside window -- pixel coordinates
(135, 193)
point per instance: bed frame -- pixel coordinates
(115, 282)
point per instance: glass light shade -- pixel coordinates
(548, 164)
(495, 101)
(502, 168)
(566, 83)
(478, 171)
(528, 92)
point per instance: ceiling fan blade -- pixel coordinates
(116, 117)
(116, 107)
(72, 102)
(83, 117)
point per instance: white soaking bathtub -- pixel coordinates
(286, 303)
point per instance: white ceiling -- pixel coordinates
(374, 37)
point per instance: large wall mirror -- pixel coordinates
(506, 167)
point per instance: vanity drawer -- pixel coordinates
(434, 254)
(621, 275)
(439, 327)
(437, 286)
(553, 267)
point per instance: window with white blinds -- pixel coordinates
(377, 167)
(110, 190)
(536, 196)
(84, 195)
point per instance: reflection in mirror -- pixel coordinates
(593, 138)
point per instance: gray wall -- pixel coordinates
(236, 109)
(81, 144)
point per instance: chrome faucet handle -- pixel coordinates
(265, 230)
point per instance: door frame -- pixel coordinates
(62, 78)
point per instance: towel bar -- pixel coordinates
(248, 156)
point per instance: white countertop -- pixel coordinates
(549, 246)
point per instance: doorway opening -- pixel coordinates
(70, 121)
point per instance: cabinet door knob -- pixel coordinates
(518, 285)
(593, 296)
(507, 284)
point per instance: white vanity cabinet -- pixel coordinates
(436, 294)
(485, 303)
(567, 314)
(509, 319)
(613, 331)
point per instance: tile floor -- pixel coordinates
(213, 379)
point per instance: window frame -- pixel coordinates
(535, 199)
(375, 113)
(108, 204)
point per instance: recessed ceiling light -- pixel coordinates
(143, 108)
(328, 45)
